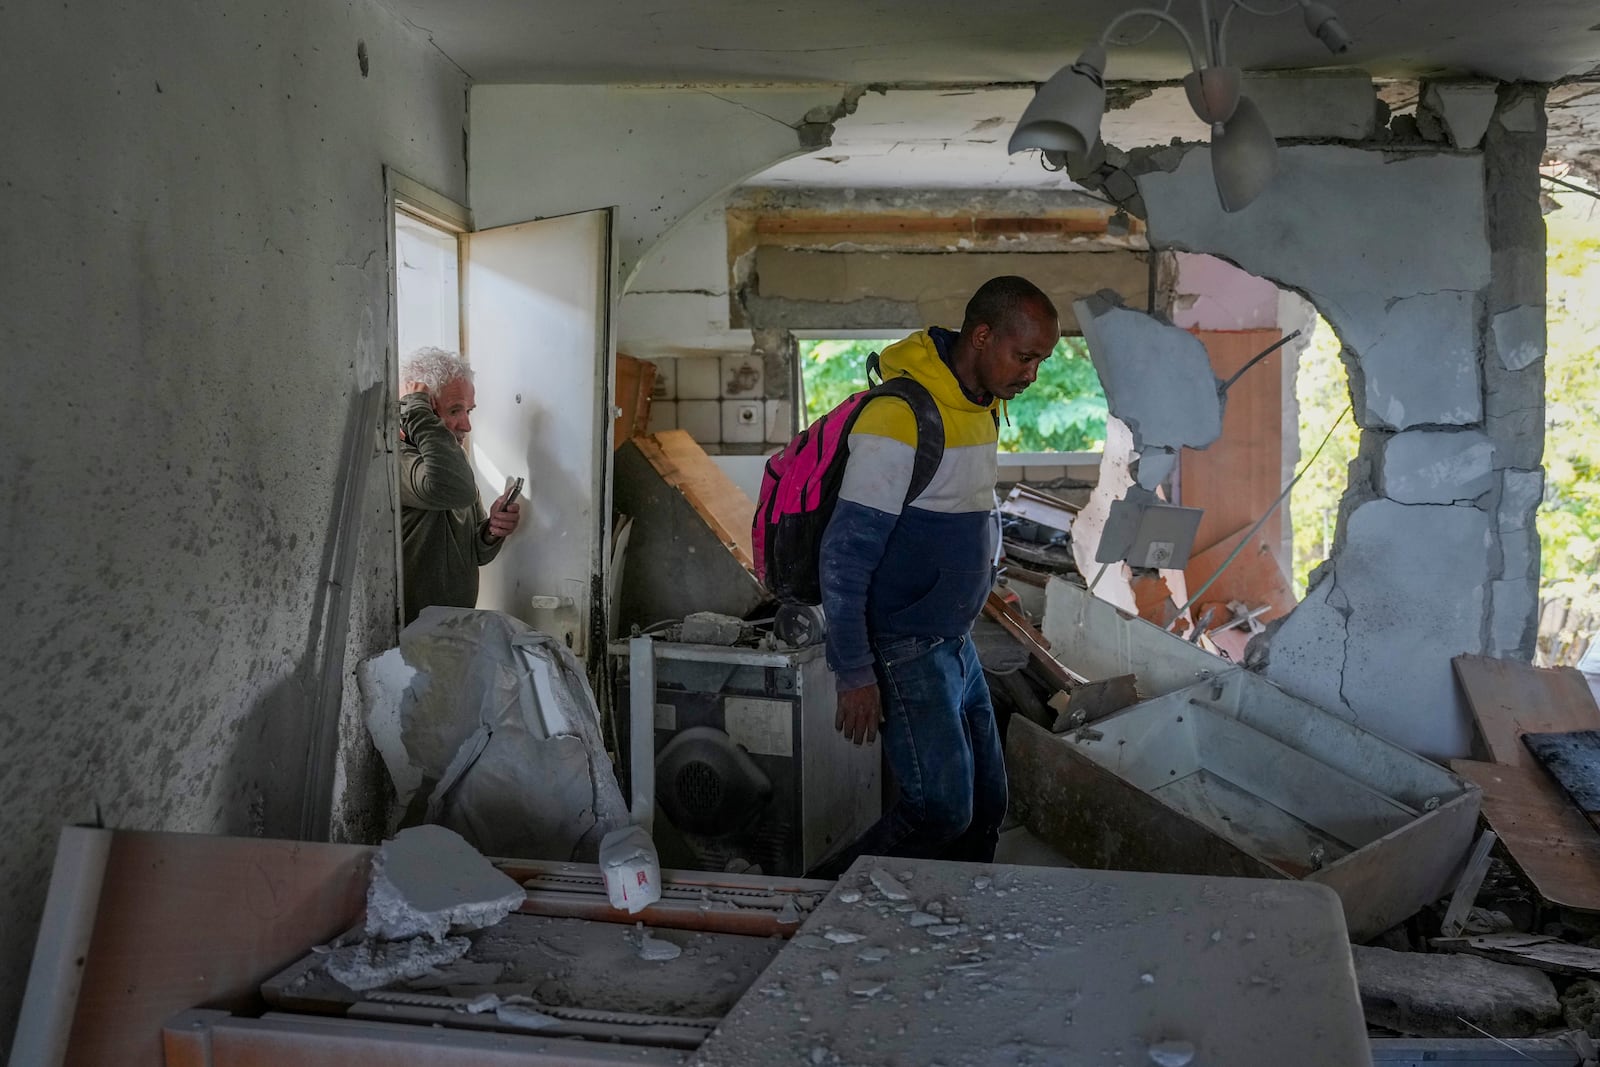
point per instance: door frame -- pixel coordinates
(404, 194)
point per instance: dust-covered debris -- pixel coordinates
(371, 964)
(889, 885)
(1172, 1053)
(524, 1017)
(429, 880)
(654, 948)
(843, 937)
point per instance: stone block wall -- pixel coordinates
(1423, 247)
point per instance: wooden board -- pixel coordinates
(1574, 761)
(191, 919)
(636, 380)
(680, 460)
(1509, 699)
(1529, 950)
(1015, 624)
(1240, 474)
(1553, 844)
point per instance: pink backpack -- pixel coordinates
(801, 484)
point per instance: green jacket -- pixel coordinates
(442, 521)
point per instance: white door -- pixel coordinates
(537, 298)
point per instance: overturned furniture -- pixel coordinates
(1233, 776)
(1230, 775)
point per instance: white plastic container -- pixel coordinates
(631, 869)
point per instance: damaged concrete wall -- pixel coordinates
(656, 154)
(194, 284)
(1429, 262)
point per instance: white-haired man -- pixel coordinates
(445, 534)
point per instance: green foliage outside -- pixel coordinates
(1322, 389)
(1569, 521)
(1063, 411)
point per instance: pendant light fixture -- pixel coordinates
(1063, 118)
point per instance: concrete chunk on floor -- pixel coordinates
(428, 880)
(1430, 994)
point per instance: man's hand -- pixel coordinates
(503, 518)
(414, 387)
(860, 711)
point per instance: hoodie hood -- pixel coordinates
(918, 356)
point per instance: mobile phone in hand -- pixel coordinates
(511, 494)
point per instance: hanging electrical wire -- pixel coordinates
(1245, 540)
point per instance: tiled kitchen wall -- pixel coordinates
(721, 401)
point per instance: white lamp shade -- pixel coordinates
(1244, 156)
(1064, 115)
(1213, 92)
(1326, 27)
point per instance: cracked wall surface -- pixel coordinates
(195, 266)
(1427, 258)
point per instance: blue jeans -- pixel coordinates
(940, 738)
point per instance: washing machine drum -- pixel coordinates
(706, 784)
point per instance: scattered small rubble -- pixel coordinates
(429, 880)
(371, 964)
(889, 886)
(1580, 1005)
(655, 949)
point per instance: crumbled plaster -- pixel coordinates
(1462, 109)
(1157, 377)
(1116, 481)
(429, 881)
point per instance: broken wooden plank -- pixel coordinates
(1573, 760)
(1529, 950)
(1509, 699)
(1477, 868)
(1548, 839)
(684, 465)
(1058, 674)
(636, 380)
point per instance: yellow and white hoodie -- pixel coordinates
(892, 568)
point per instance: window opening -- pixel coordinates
(1063, 411)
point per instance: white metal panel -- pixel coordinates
(537, 312)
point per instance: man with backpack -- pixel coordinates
(906, 568)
